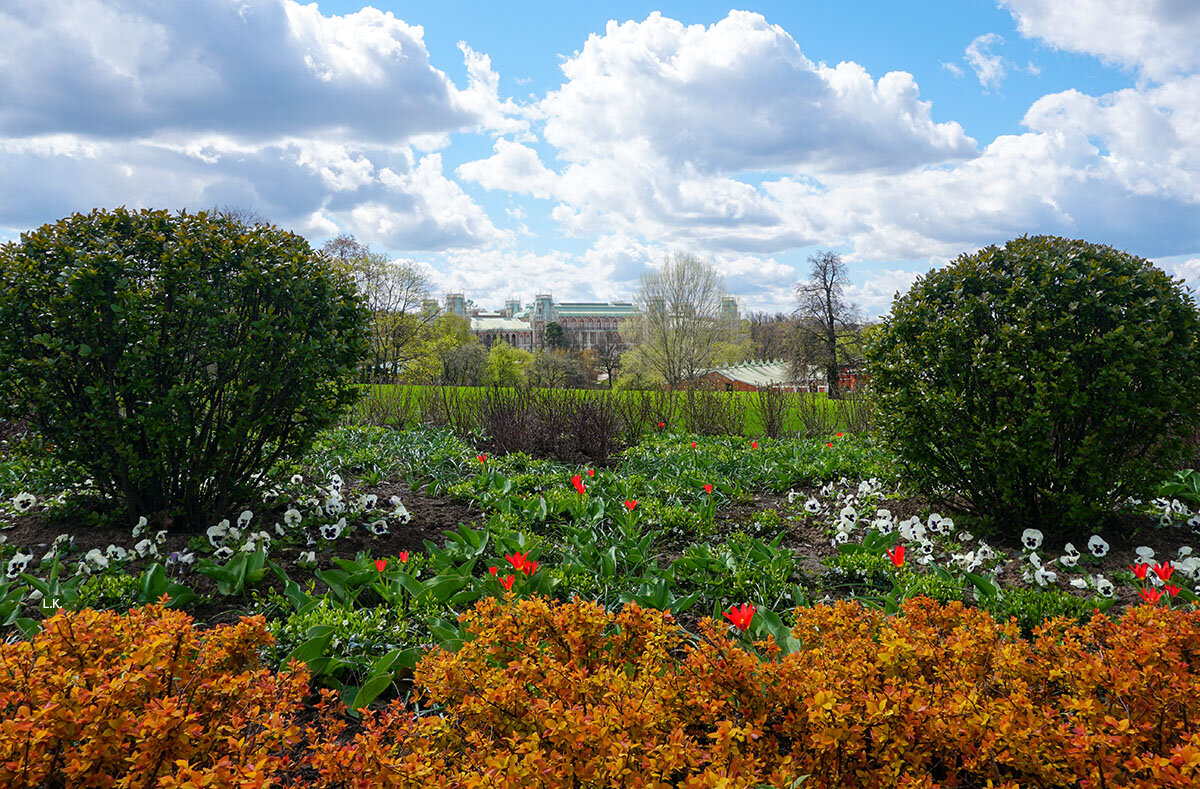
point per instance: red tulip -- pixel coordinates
(1163, 571)
(661, 425)
(530, 567)
(829, 444)
(896, 554)
(517, 560)
(507, 582)
(1139, 570)
(839, 435)
(1172, 589)
(577, 481)
(693, 445)
(403, 557)
(380, 564)
(493, 570)
(482, 458)
(1151, 596)
(740, 617)
(630, 504)
(591, 472)
(754, 445)
(708, 488)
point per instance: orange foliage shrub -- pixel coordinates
(571, 695)
(555, 695)
(143, 699)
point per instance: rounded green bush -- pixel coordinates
(1040, 383)
(175, 357)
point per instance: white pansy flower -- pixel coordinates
(840, 538)
(216, 534)
(401, 513)
(369, 501)
(145, 547)
(292, 517)
(379, 527)
(331, 531)
(335, 481)
(18, 564)
(307, 558)
(1185, 550)
(224, 552)
(297, 479)
(96, 558)
(792, 496)
(1097, 546)
(1043, 576)
(279, 530)
(23, 502)
(1104, 587)
(1031, 539)
(1194, 521)
(334, 504)
(116, 553)
(812, 506)
(140, 527)
(1144, 554)
(1079, 583)
(245, 518)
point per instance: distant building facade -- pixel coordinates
(585, 324)
(777, 374)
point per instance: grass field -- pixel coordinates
(744, 413)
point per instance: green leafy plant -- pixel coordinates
(242, 570)
(175, 356)
(1042, 382)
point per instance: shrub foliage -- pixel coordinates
(570, 694)
(1041, 382)
(174, 356)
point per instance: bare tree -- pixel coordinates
(771, 336)
(680, 319)
(395, 292)
(609, 347)
(828, 325)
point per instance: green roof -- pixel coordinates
(772, 372)
(589, 309)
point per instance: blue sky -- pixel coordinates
(514, 148)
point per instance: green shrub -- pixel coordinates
(175, 356)
(1041, 382)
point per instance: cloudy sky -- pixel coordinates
(521, 147)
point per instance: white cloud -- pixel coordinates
(514, 167)
(256, 69)
(1189, 272)
(876, 294)
(1157, 37)
(989, 67)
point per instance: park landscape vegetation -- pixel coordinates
(219, 570)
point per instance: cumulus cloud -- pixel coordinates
(514, 167)
(1156, 37)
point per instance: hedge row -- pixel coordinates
(549, 694)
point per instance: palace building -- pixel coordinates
(586, 324)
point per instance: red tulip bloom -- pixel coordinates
(896, 554)
(1139, 570)
(517, 560)
(661, 425)
(1172, 589)
(507, 582)
(1151, 596)
(577, 481)
(708, 488)
(482, 458)
(693, 445)
(380, 564)
(591, 472)
(754, 445)
(1163, 571)
(829, 444)
(839, 435)
(403, 557)
(740, 617)
(493, 570)
(530, 567)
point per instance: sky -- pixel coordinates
(519, 148)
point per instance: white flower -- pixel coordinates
(217, 533)
(965, 536)
(912, 529)
(282, 532)
(249, 547)
(23, 502)
(160, 537)
(936, 523)
(1043, 576)
(1185, 550)
(368, 502)
(94, 557)
(244, 518)
(379, 527)
(1178, 507)
(1194, 521)
(292, 517)
(985, 552)
(140, 527)
(116, 553)
(335, 481)
(224, 552)
(848, 514)
(840, 538)
(187, 557)
(401, 513)
(145, 548)
(1069, 559)
(307, 558)
(792, 496)
(1097, 546)
(812, 506)
(1079, 583)
(334, 505)
(18, 563)
(297, 479)
(1031, 539)
(331, 531)
(1144, 554)
(1103, 586)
